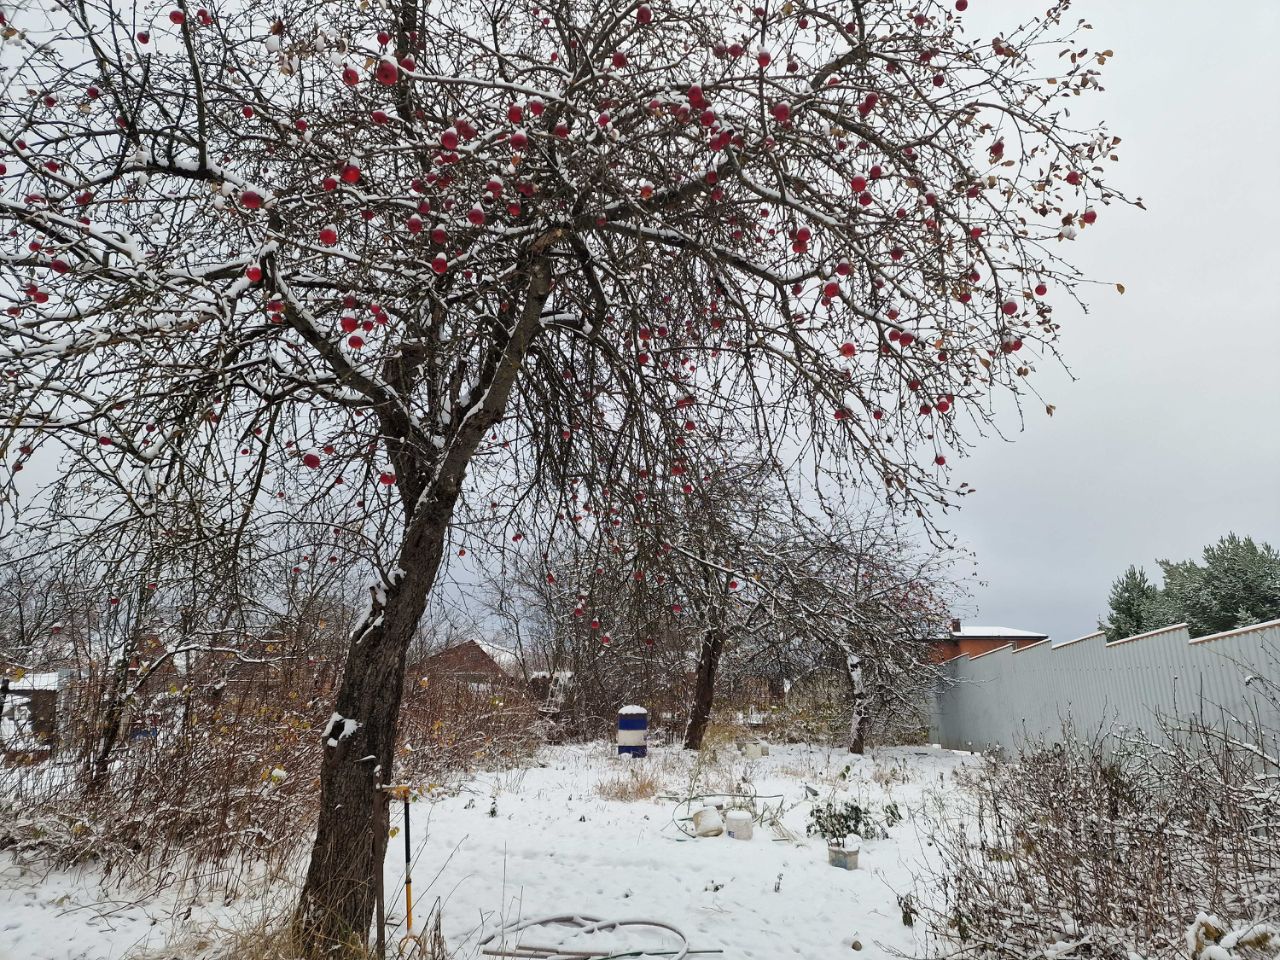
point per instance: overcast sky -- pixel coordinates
(1170, 436)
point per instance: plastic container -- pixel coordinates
(738, 824)
(753, 751)
(707, 822)
(844, 856)
(633, 731)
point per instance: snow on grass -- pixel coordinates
(547, 839)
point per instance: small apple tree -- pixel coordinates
(403, 261)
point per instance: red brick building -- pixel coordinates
(975, 641)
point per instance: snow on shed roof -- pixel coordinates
(37, 681)
(996, 633)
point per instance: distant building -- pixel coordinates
(29, 713)
(466, 665)
(975, 641)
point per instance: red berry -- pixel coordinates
(387, 73)
(644, 14)
(310, 460)
(847, 350)
(329, 235)
(177, 17)
(251, 199)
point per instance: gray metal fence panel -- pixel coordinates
(1001, 698)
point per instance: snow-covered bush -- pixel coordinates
(1118, 848)
(835, 821)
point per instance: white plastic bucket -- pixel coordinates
(737, 824)
(707, 822)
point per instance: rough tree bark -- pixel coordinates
(858, 722)
(339, 893)
(704, 688)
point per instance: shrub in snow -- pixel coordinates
(838, 822)
(1119, 848)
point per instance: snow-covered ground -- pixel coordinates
(542, 840)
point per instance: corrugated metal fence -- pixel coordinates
(1002, 697)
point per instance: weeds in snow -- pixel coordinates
(1112, 848)
(635, 784)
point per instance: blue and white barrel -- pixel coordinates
(633, 731)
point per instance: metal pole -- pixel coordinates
(380, 950)
(408, 878)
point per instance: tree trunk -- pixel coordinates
(858, 733)
(704, 690)
(339, 893)
(858, 690)
(112, 721)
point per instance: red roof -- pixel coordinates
(467, 661)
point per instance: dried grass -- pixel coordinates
(630, 786)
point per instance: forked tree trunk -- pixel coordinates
(338, 896)
(704, 689)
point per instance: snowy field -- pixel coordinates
(543, 840)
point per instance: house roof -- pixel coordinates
(466, 661)
(996, 633)
(51, 680)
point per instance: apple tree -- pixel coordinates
(403, 264)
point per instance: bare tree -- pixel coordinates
(413, 265)
(674, 583)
